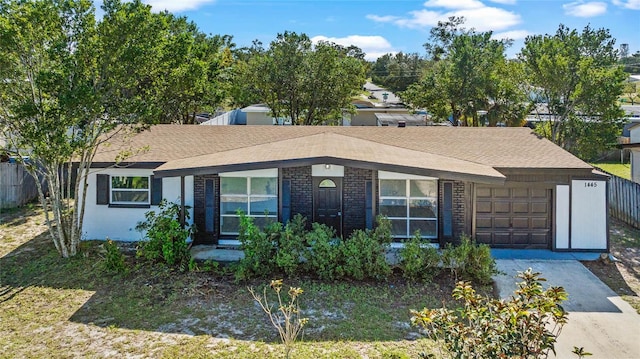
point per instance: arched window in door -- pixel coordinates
(327, 183)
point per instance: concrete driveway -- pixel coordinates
(599, 320)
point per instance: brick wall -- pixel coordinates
(460, 205)
(354, 198)
(202, 237)
(460, 200)
(301, 191)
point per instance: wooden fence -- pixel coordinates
(17, 187)
(624, 200)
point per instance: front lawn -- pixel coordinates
(52, 307)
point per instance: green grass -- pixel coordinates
(54, 307)
(619, 169)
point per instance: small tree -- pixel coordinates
(631, 91)
(286, 319)
(526, 326)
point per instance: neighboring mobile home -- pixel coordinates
(507, 187)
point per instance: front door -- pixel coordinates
(327, 202)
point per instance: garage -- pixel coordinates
(513, 217)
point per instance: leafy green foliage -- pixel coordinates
(580, 352)
(364, 252)
(468, 72)
(291, 245)
(292, 249)
(309, 84)
(259, 249)
(576, 77)
(114, 260)
(324, 255)
(397, 72)
(419, 261)
(71, 81)
(166, 237)
(469, 260)
(526, 326)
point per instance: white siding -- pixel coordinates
(259, 118)
(102, 221)
(634, 134)
(635, 165)
(562, 217)
(588, 214)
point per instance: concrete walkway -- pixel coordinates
(599, 320)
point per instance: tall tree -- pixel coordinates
(190, 81)
(70, 83)
(308, 84)
(397, 72)
(576, 77)
(50, 110)
(463, 76)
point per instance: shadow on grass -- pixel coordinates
(154, 298)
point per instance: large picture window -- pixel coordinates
(130, 190)
(411, 205)
(257, 197)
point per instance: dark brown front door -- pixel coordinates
(327, 202)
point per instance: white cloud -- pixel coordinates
(512, 35)
(454, 4)
(505, 2)
(376, 18)
(629, 4)
(476, 14)
(585, 9)
(176, 6)
(372, 46)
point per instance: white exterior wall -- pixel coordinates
(634, 137)
(102, 221)
(635, 165)
(634, 134)
(259, 118)
(562, 217)
(588, 214)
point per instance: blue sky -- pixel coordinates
(383, 26)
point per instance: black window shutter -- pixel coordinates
(447, 210)
(156, 190)
(102, 189)
(286, 201)
(209, 205)
(368, 193)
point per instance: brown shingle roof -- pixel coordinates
(474, 150)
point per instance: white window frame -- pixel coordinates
(408, 198)
(112, 190)
(248, 196)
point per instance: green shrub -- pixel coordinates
(419, 261)
(259, 249)
(114, 260)
(323, 257)
(526, 326)
(364, 252)
(167, 238)
(469, 260)
(291, 245)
